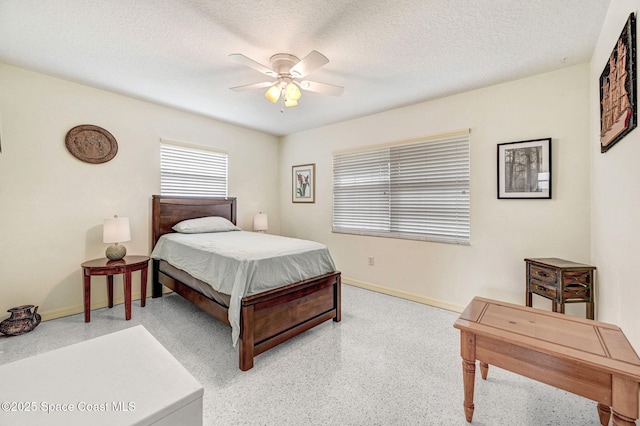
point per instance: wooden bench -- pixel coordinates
(589, 358)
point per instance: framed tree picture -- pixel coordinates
(304, 183)
(618, 88)
(524, 169)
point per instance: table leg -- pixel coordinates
(604, 413)
(620, 420)
(624, 404)
(468, 352)
(528, 298)
(143, 287)
(590, 311)
(87, 297)
(484, 370)
(127, 295)
(110, 290)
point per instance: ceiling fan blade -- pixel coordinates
(325, 89)
(253, 86)
(308, 64)
(241, 59)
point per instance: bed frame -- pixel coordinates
(266, 319)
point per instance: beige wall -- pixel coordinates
(52, 205)
(615, 199)
(503, 232)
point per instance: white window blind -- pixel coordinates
(417, 190)
(192, 171)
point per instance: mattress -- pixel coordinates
(243, 263)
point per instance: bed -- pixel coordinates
(266, 318)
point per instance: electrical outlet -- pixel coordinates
(370, 260)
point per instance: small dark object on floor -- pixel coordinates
(21, 321)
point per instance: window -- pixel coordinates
(192, 171)
(414, 190)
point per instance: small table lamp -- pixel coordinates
(116, 230)
(260, 222)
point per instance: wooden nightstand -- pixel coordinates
(126, 266)
(562, 281)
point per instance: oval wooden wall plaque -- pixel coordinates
(91, 144)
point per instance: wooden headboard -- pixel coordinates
(169, 210)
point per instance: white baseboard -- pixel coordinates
(78, 309)
(404, 295)
(73, 310)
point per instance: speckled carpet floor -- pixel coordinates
(389, 362)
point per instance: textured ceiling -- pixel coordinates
(385, 53)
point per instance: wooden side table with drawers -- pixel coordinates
(561, 281)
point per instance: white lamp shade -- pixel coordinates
(260, 222)
(273, 94)
(293, 93)
(116, 230)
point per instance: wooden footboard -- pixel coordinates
(270, 318)
(273, 317)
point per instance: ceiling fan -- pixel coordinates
(287, 72)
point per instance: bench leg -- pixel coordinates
(484, 370)
(468, 352)
(624, 404)
(604, 413)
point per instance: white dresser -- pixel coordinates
(123, 378)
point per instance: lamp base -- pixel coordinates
(116, 251)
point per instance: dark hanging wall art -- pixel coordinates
(618, 89)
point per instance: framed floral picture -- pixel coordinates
(524, 169)
(304, 183)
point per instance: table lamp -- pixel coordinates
(260, 222)
(115, 231)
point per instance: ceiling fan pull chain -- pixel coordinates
(281, 103)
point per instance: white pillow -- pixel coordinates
(205, 224)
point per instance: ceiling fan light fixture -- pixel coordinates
(273, 94)
(286, 69)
